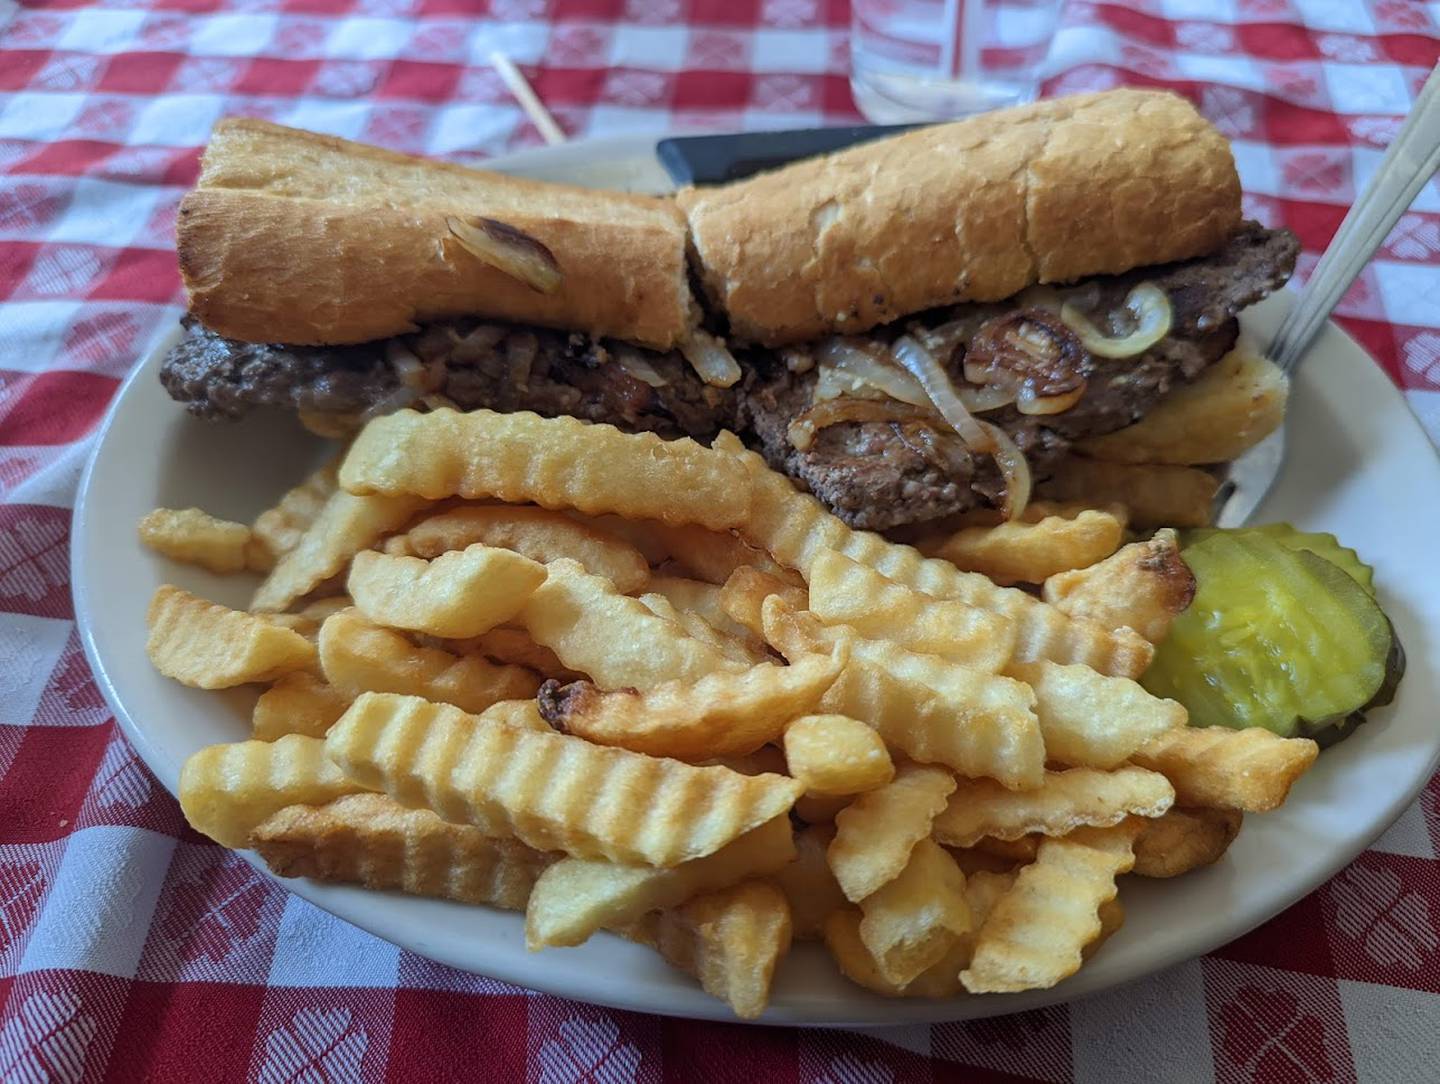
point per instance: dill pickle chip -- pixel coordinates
(1276, 637)
(1320, 543)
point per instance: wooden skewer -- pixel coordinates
(525, 95)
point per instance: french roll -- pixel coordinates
(300, 238)
(924, 328)
(975, 210)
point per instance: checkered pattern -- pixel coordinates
(130, 948)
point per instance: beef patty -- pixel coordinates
(876, 475)
(475, 365)
(873, 475)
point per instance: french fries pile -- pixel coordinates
(648, 687)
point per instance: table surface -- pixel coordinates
(130, 948)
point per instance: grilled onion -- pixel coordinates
(510, 251)
(1027, 402)
(1014, 468)
(802, 430)
(978, 436)
(708, 357)
(850, 368)
(1149, 307)
(922, 365)
(635, 365)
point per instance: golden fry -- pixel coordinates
(208, 646)
(834, 754)
(1036, 933)
(795, 528)
(522, 713)
(613, 638)
(359, 656)
(875, 834)
(460, 593)
(808, 883)
(1065, 801)
(1093, 721)
(927, 708)
(1215, 767)
(1185, 839)
(1232, 406)
(226, 791)
(578, 896)
(705, 600)
(553, 462)
(194, 537)
(298, 703)
(370, 840)
(696, 627)
(720, 715)
(845, 592)
(537, 533)
(1144, 586)
(342, 528)
(551, 791)
(1155, 495)
(714, 556)
(510, 647)
(744, 594)
(842, 939)
(731, 941)
(912, 923)
(280, 529)
(1028, 552)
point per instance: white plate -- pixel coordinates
(1359, 466)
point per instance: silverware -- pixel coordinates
(1410, 162)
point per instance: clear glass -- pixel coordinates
(915, 60)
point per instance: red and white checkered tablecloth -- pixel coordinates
(131, 949)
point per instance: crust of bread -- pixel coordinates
(307, 239)
(971, 211)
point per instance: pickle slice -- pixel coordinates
(1320, 543)
(1275, 637)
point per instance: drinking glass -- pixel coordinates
(915, 60)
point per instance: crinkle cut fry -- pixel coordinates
(549, 790)
(1037, 932)
(371, 840)
(1067, 800)
(553, 462)
(577, 896)
(227, 790)
(932, 710)
(344, 526)
(615, 639)
(1251, 770)
(795, 528)
(208, 646)
(722, 714)
(876, 833)
(731, 940)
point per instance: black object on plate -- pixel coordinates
(715, 159)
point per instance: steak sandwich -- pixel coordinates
(911, 329)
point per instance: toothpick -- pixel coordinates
(510, 75)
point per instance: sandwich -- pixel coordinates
(912, 329)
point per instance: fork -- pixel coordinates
(1410, 162)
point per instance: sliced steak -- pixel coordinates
(473, 365)
(877, 475)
